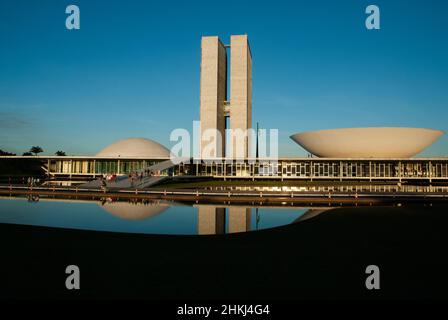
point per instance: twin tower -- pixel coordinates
(219, 108)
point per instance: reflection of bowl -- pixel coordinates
(367, 142)
(131, 211)
(311, 213)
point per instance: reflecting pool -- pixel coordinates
(150, 216)
(142, 216)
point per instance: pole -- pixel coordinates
(256, 152)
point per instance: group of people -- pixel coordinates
(33, 198)
(107, 178)
(133, 176)
(33, 181)
(134, 201)
(103, 183)
(110, 177)
(150, 173)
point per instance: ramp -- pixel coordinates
(125, 182)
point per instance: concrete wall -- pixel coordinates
(240, 90)
(213, 93)
(239, 219)
(211, 220)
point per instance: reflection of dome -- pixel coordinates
(135, 148)
(367, 142)
(311, 213)
(134, 211)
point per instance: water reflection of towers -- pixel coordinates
(212, 219)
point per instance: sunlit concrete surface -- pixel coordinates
(367, 142)
(135, 147)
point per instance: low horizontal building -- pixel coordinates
(368, 169)
(429, 169)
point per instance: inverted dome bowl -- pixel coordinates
(367, 142)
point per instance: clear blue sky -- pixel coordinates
(132, 70)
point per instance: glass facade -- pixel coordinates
(310, 169)
(97, 166)
(324, 169)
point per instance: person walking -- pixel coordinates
(103, 184)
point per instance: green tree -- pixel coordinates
(60, 153)
(36, 150)
(6, 153)
(27, 154)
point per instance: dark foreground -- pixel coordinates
(324, 257)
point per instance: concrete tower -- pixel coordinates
(215, 106)
(213, 96)
(240, 93)
(212, 219)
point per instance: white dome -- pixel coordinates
(135, 148)
(367, 142)
(137, 211)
